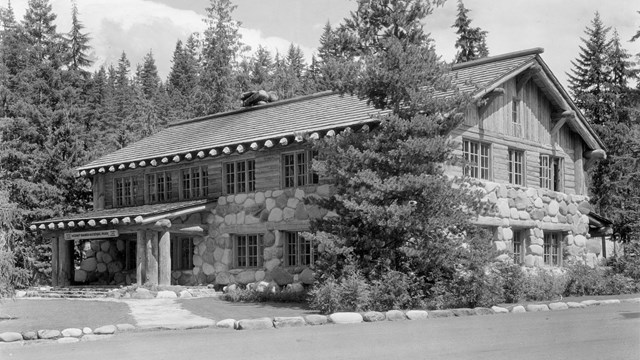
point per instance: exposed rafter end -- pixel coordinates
(92, 172)
(213, 152)
(226, 150)
(488, 97)
(284, 141)
(132, 166)
(112, 168)
(254, 146)
(121, 167)
(200, 154)
(176, 158)
(330, 133)
(188, 156)
(104, 222)
(142, 163)
(153, 162)
(101, 170)
(240, 149)
(83, 173)
(164, 160)
(268, 143)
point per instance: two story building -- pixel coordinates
(219, 199)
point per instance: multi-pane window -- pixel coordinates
(551, 249)
(477, 157)
(516, 122)
(516, 167)
(296, 169)
(518, 247)
(240, 176)
(550, 172)
(182, 253)
(125, 192)
(248, 250)
(159, 187)
(195, 182)
(298, 250)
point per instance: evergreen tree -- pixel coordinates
(262, 69)
(397, 211)
(182, 84)
(78, 43)
(591, 76)
(471, 42)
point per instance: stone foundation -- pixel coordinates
(103, 263)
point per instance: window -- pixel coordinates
(248, 250)
(516, 122)
(477, 157)
(296, 168)
(516, 167)
(159, 187)
(298, 250)
(518, 247)
(182, 253)
(550, 172)
(125, 192)
(552, 252)
(195, 182)
(240, 176)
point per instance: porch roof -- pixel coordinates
(134, 215)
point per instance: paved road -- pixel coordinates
(604, 332)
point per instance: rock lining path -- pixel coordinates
(164, 314)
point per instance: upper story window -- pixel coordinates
(516, 167)
(248, 250)
(298, 250)
(477, 156)
(516, 121)
(240, 176)
(125, 192)
(195, 182)
(159, 187)
(552, 249)
(551, 172)
(182, 253)
(296, 169)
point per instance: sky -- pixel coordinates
(139, 26)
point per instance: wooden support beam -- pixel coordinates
(365, 128)
(164, 160)
(188, 156)
(54, 260)
(51, 226)
(104, 222)
(126, 220)
(112, 168)
(92, 172)
(71, 224)
(91, 223)
(142, 163)
(121, 167)
(60, 225)
(226, 150)
(284, 141)
(164, 266)
(330, 133)
(151, 250)
(141, 258)
(213, 152)
(192, 230)
(268, 143)
(138, 219)
(163, 223)
(81, 223)
(33, 228)
(65, 262)
(115, 221)
(240, 149)
(83, 173)
(592, 156)
(101, 170)
(314, 136)
(42, 227)
(298, 138)
(132, 166)
(154, 162)
(200, 154)
(254, 146)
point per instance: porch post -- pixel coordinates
(165, 258)
(65, 262)
(152, 257)
(141, 258)
(54, 261)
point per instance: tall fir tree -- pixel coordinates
(78, 43)
(472, 41)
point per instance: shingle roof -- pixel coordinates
(269, 123)
(144, 212)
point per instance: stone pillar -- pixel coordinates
(165, 258)
(54, 260)
(152, 257)
(65, 262)
(141, 259)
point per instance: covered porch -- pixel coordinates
(107, 246)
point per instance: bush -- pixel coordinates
(397, 290)
(542, 284)
(583, 280)
(251, 295)
(513, 281)
(627, 264)
(349, 293)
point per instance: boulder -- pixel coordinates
(537, 307)
(285, 322)
(315, 319)
(518, 309)
(79, 275)
(166, 294)
(246, 277)
(281, 277)
(609, 302)
(372, 316)
(87, 331)
(483, 311)
(463, 312)
(575, 305)
(295, 287)
(30, 335)
(71, 332)
(499, 310)
(440, 314)
(417, 315)
(104, 246)
(395, 315)
(185, 294)
(89, 264)
(49, 334)
(105, 330)
(345, 318)
(555, 306)
(255, 324)
(10, 337)
(226, 324)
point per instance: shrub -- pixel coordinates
(627, 264)
(513, 279)
(481, 287)
(542, 284)
(251, 295)
(583, 280)
(397, 290)
(349, 293)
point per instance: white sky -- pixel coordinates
(137, 26)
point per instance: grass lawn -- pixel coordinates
(59, 314)
(217, 309)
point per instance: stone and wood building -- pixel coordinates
(220, 199)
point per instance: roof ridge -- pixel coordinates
(252, 108)
(515, 54)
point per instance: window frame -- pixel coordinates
(552, 249)
(551, 172)
(513, 164)
(475, 166)
(303, 174)
(516, 119)
(188, 179)
(182, 259)
(242, 256)
(125, 195)
(153, 185)
(232, 183)
(298, 251)
(518, 246)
